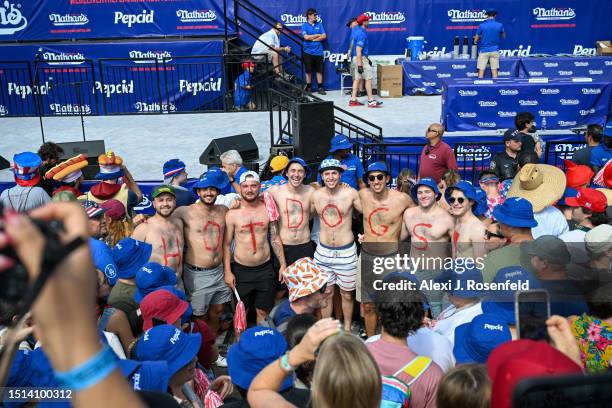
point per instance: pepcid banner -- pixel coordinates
(42, 20)
(532, 26)
(111, 78)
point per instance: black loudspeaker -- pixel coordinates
(4, 164)
(91, 148)
(313, 129)
(244, 144)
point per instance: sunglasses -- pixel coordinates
(460, 200)
(489, 234)
(379, 177)
(433, 130)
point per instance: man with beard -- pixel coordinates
(164, 232)
(336, 253)
(382, 219)
(293, 201)
(251, 273)
(469, 232)
(505, 164)
(203, 228)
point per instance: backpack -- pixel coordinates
(396, 392)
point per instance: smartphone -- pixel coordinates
(532, 308)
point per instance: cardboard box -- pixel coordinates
(603, 47)
(389, 81)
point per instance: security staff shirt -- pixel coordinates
(504, 166)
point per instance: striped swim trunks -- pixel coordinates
(340, 263)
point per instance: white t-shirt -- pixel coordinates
(551, 221)
(576, 246)
(451, 317)
(270, 38)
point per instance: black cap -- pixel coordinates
(513, 134)
(353, 19)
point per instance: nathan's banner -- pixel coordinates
(42, 20)
(532, 26)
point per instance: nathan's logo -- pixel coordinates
(195, 16)
(458, 66)
(462, 16)
(548, 113)
(291, 20)
(477, 153)
(566, 150)
(11, 19)
(145, 57)
(506, 114)
(587, 112)
(551, 64)
(63, 58)
(386, 17)
(60, 20)
(467, 93)
(487, 103)
(565, 73)
(535, 73)
(508, 92)
(565, 13)
(608, 63)
(528, 102)
(581, 64)
(516, 52)
(429, 67)
(467, 114)
(69, 109)
(154, 107)
(23, 91)
(212, 85)
(503, 73)
(414, 76)
(146, 17)
(430, 83)
(3, 110)
(569, 102)
(549, 91)
(591, 91)
(596, 71)
(567, 123)
(441, 75)
(487, 124)
(123, 87)
(471, 74)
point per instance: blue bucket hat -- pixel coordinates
(146, 375)
(501, 303)
(475, 340)
(302, 163)
(258, 347)
(466, 187)
(129, 256)
(429, 182)
(330, 164)
(516, 212)
(151, 277)
(214, 177)
(376, 166)
(340, 142)
(482, 204)
(468, 273)
(170, 344)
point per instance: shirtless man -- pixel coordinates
(469, 232)
(164, 232)
(336, 253)
(430, 228)
(382, 224)
(203, 229)
(293, 202)
(251, 273)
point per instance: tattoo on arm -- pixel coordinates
(227, 242)
(277, 243)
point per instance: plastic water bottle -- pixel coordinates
(464, 49)
(456, 47)
(544, 124)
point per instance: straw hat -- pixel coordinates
(541, 184)
(608, 193)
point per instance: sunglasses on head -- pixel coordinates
(489, 234)
(379, 177)
(460, 200)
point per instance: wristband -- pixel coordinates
(90, 372)
(284, 363)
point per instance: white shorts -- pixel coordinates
(340, 263)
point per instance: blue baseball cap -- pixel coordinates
(302, 163)
(429, 182)
(462, 279)
(340, 142)
(569, 193)
(501, 303)
(515, 212)
(173, 167)
(258, 347)
(170, 344)
(129, 256)
(330, 164)
(152, 276)
(214, 177)
(475, 340)
(607, 131)
(146, 375)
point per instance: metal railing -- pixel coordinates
(557, 152)
(398, 156)
(472, 158)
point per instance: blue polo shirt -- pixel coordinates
(600, 155)
(490, 35)
(353, 170)
(283, 313)
(274, 181)
(359, 37)
(102, 257)
(230, 187)
(313, 47)
(242, 96)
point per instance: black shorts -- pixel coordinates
(313, 61)
(255, 285)
(295, 252)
